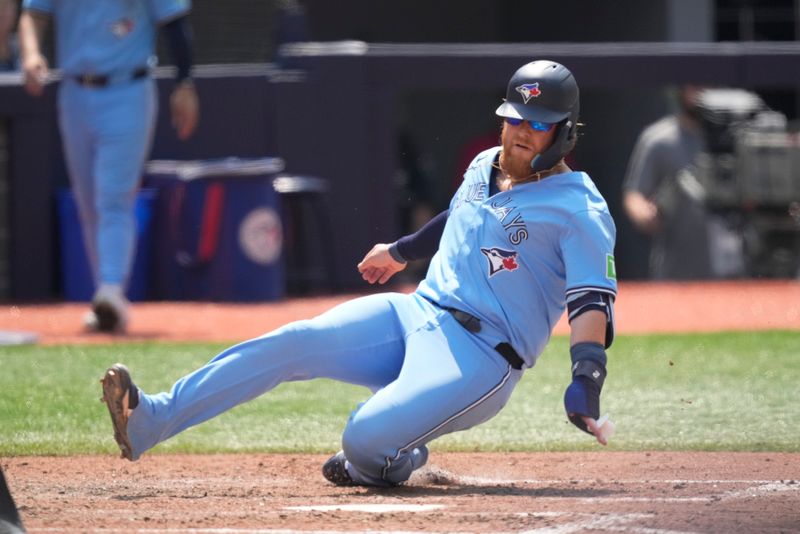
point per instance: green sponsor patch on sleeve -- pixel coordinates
(611, 268)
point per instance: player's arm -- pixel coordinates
(31, 28)
(587, 247)
(642, 179)
(184, 103)
(591, 332)
(385, 260)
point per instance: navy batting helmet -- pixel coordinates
(545, 91)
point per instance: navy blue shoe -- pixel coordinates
(335, 471)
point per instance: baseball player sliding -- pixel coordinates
(524, 238)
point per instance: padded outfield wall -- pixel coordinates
(337, 116)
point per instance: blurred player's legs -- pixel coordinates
(124, 133)
(108, 132)
(78, 141)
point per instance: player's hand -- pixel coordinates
(582, 404)
(594, 428)
(646, 218)
(185, 108)
(378, 265)
(643, 213)
(35, 72)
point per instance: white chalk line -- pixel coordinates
(223, 531)
(761, 489)
(612, 522)
(755, 488)
(618, 520)
(543, 481)
(608, 522)
(383, 508)
(613, 500)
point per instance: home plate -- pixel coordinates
(368, 508)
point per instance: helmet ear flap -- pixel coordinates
(563, 142)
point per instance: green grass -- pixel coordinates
(732, 391)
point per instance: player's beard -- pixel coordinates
(515, 166)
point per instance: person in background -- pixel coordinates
(656, 200)
(9, 53)
(107, 103)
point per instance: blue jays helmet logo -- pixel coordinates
(528, 91)
(500, 260)
(122, 27)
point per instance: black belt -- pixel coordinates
(473, 324)
(101, 80)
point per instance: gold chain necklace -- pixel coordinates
(533, 177)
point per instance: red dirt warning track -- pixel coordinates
(640, 308)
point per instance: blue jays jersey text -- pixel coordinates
(517, 255)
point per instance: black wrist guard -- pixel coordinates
(589, 360)
(582, 397)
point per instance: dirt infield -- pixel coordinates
(466, 492)
(647, 492)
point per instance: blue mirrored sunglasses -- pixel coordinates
(536, 125)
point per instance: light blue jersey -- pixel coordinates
(512, 259)
(125, 42)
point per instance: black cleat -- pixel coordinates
(335, 472)
(109, 311)
(109, 319)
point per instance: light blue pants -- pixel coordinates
(107, 133)
(430, 377)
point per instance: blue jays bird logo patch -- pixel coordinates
(122, 27)
(528, 91)
(500, 260)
